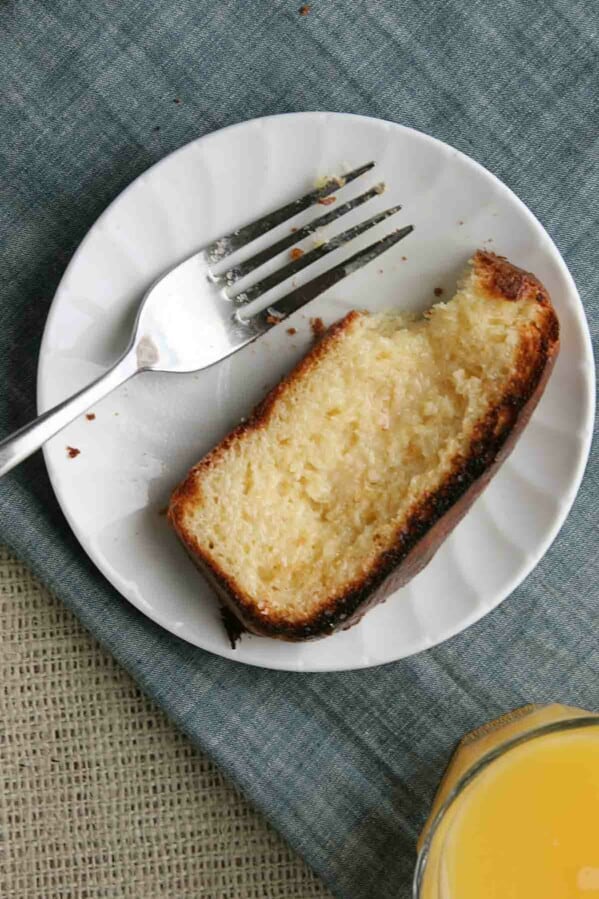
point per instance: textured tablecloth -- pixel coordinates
(345, 765)
(100, 796)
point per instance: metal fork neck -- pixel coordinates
(30, 438)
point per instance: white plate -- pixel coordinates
(147, 434)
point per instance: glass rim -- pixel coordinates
(542, 730)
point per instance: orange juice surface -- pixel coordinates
(528, 826)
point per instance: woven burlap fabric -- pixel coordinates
(100, 796)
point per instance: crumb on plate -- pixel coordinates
(72, 452)
(318, 327)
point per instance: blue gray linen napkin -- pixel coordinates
(93, 92)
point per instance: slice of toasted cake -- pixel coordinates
(355, 468)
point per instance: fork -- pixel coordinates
(192, 317)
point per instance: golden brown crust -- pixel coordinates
(506, 281)
(439, 512)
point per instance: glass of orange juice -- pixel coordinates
(517, 813)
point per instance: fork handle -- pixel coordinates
(30, 437)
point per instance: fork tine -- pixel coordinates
(281, 274)
(221, 247)
(244, 268)
(268, 318)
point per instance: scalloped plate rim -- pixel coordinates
(566, 499)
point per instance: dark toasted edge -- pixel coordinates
(439, 512)
(456, 496)
(506, 281)
(231, 596)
